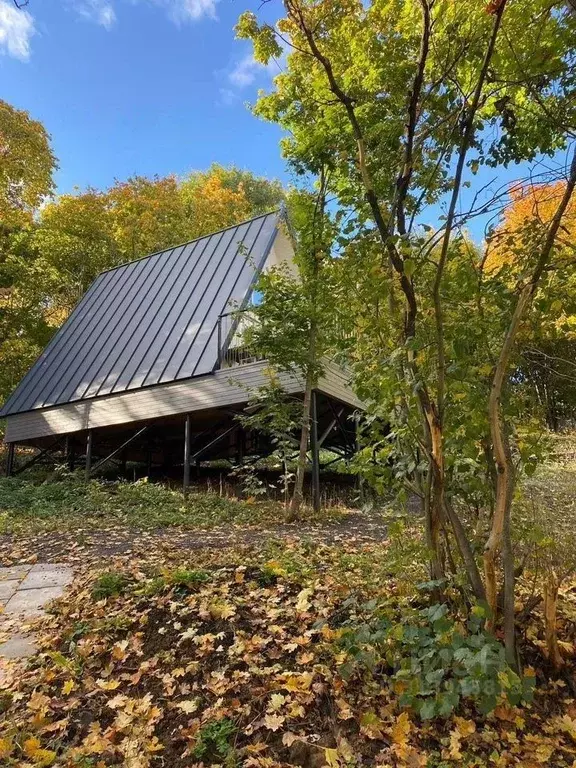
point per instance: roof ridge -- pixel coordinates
(193, 240)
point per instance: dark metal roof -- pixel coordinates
(150, 321)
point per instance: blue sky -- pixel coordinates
(148, 87)
(137, 86)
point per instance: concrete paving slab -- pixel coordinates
(24, 592)
(48, 567)
(29, 602)
(56, 577)
(14, 572)
(7, 589)
(18, 647)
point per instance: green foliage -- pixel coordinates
(109, 584)
(213, 743)
(69, 503)
(435, 662)
(181, 577)
(27, 167)
(277, 415)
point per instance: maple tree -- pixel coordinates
(408, 100)
(26, 169)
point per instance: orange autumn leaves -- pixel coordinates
(515, 243)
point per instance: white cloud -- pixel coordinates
(228, 97)
(16, 29)
(244, 71)
(99, 11)
(181, 11)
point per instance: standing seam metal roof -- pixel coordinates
(150, 321)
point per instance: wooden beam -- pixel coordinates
(213, 442)
(330, 427)
(117, 451)
(37, 458)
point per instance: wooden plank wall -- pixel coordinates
(225, 387)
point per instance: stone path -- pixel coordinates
(24, 591)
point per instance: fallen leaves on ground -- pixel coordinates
(233, 659)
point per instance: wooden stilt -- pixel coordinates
(70, 454)
(315, 451)
(240, 445)
(187, 428)
(89, 441)
(10, 460)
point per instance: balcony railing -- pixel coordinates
(232, 349)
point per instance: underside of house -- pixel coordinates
(150, 366)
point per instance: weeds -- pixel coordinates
(109, 584)
(213, 742)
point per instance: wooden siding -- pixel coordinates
(210, 391)
(336, 383)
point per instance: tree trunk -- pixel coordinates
(298, 493)
(466, 553)
(437, 505)
(509, 570)
(501, 450)
(551, 587)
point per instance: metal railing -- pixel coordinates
(232, 348)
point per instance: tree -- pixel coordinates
(26, 168)
(547, 341)
(408, 100)
(225, 195)
(294, 322)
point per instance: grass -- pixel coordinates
(68, 503)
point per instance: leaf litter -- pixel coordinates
(232, 656)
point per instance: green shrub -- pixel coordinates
(181, 577)
(67, 502)
(434, 661)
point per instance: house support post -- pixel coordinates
(88, 469)
(187, 429)
(240, 446)
(315, 451)
(70, 450)
(10, 460)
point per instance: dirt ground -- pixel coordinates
(99, 545)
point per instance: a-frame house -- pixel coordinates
(147, 366)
